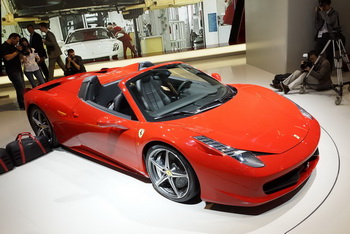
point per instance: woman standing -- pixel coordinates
(29, 59)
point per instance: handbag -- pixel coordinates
(27, 147)
(280, 78)
(6, 163)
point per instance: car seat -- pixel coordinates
(151, 93)
(90, 88)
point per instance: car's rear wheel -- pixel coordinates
(171, 174)
(42, 126)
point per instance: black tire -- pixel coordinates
(42, 126)
(171, 174)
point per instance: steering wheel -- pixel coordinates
(184, 85)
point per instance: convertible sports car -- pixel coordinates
(193, 136)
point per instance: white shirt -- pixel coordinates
(29, 62)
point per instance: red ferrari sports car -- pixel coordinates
(236, 144)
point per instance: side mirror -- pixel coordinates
(105, 122)
(216, 76)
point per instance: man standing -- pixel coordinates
(326, 24)
(10, 51)
(36, 42)
(53, 50)
(74, 63)
(126, 39)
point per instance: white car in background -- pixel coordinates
(93, 44)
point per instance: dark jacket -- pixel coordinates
(12, 65)
(36, 42)
(322, 73)
(52, 47)
(331, 20)
(73, 70)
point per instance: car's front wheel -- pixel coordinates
(41, 125)
(171, 174)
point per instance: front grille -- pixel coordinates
(105, 58)
(288, 179)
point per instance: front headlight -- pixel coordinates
(115, 47)
(246, 157)
(304, 112)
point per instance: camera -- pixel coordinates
(305, 64)
(25, 51)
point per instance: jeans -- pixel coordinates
(37, 74)
(17, 79)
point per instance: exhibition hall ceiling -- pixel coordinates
(47, 8)
(51, 8)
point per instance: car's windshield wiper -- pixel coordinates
(227, 96)
(171, 114)
(216, 102)
(209, 105)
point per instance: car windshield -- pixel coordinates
(176, 91)
(88, 35)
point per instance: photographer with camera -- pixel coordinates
(29, 59)
(10, 51)
(74, 63)
(327, 25)
(318, 79)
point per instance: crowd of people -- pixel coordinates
(24, 56)
(31, 54)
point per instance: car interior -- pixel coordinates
(156, 92)
(151, 93)
(108, 98)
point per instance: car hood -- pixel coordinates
(93, 49)
(256, 119)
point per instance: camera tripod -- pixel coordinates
(339, 56)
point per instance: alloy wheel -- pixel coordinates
(171, 174)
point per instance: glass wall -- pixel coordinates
(201, 25)
(161, 31)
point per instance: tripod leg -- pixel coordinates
(345, 59)
(342, 57)
(344, 54)
(338, 65)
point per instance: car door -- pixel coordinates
(107, 133)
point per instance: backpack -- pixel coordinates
(279, 78)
